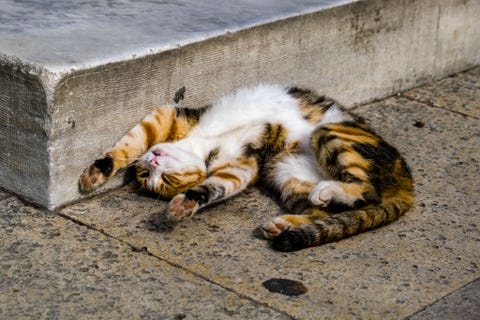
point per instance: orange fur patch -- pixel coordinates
(297, 220)
(295, 186)
(352, 134)
(173, 184)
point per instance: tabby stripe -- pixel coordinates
(150, 133)
(297, 204)
(352, 128)
(124, 154)
(352, 138)
(229, 177)
(332, 158)
(323, 139)
(276, 135)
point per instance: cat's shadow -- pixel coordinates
(159, 222)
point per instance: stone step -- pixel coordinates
(74, 77)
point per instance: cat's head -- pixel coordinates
(168, 170)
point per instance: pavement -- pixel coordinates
(110, 257)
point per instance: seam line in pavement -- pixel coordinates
(428, 104)
(175, 265)
(441, 298)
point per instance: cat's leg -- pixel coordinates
(164, 124)
(225, 179)
(294, 176)
(337, 149)
(310, 224)
(298, 179)
(353, 159)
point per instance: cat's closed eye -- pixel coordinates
(144, 174)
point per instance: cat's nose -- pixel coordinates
(154, 161)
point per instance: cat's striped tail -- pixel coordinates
(318, 227)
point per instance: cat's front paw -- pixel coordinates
(324, 193)
(181, 206)
(95, 175)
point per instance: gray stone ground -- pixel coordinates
(109, 257)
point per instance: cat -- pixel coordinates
(334, 174)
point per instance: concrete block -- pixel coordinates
(75, 77)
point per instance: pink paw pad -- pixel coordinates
(275, 227)
(180, 207)
(91, 178)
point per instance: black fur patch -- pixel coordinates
(308, 95)
(322, 136)
(105, 165)
(298, 205)
(200, 194)
(290, 240)
(383, 153)
(337, 207)
(212, 156)
(311, 97)
(192, 114)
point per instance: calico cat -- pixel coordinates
(334, 174)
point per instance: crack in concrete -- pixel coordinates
(426, 103)
(173, 264)
(448, 295)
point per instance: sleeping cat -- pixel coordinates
(335, 176)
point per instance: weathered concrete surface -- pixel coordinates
(446, 92)
(461, 304)
(78, 262)
(24, 158)
(92, 70)
(52, 268)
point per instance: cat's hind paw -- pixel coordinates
(180, 207)
(287, 232)
(95, 175)
(275, 227)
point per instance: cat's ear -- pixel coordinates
(96, 174)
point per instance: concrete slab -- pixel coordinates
(52, 268)
(445, 93)
(75, 76)
(387, 273)
(461, 304)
